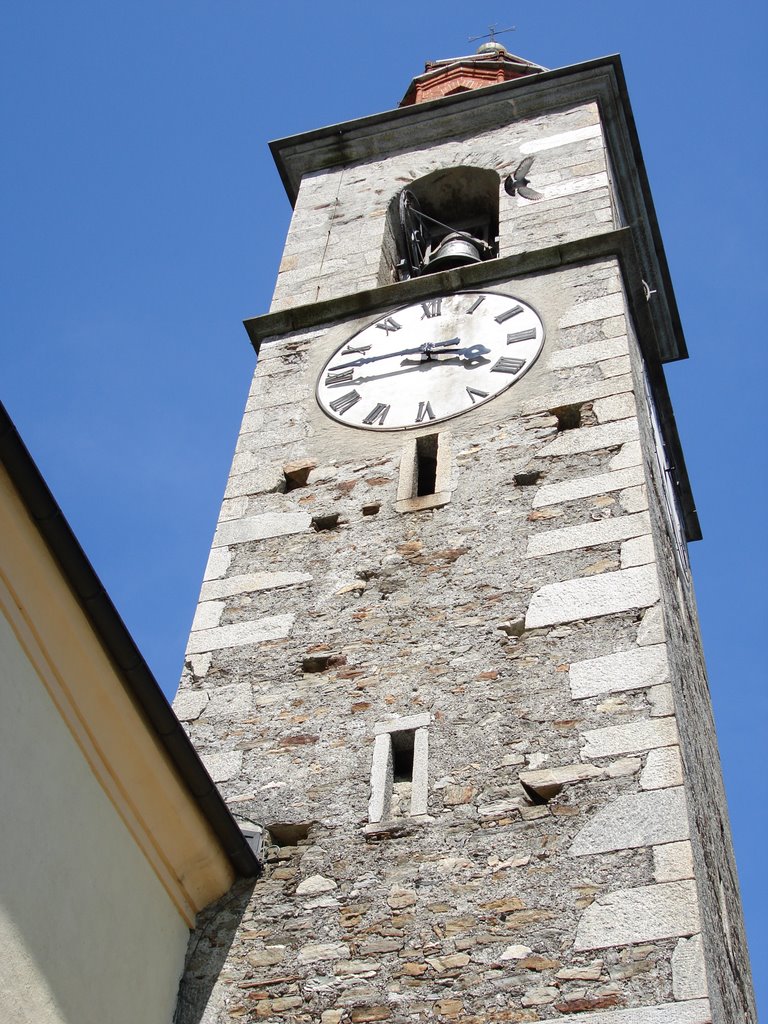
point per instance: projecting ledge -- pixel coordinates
(617, 243)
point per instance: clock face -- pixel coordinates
(430, 361)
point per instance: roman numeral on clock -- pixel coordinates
(475, 395)
(507, 365)
(476, 303)
(521, 336)
(338, 377)
(389, 324)
(350, 349)
(345, 402)
(425, 412)
(431, 308)
(378, 412)
(508, 314)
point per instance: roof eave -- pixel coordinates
(129, 663)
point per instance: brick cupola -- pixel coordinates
(491, 64)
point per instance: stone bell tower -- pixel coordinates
(446, 653)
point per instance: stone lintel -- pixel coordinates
(402, 724)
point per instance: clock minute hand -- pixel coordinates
(373, 359)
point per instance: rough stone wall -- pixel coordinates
(724, 936)
(339, 227)
(553, 876)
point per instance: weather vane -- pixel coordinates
(492, 33)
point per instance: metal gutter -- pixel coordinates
(120, 646)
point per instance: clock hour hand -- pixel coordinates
(429, 347)
(471, 355)
(422, 349)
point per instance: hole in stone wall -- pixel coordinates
(284, 833)
(321, 661)
(540, 793)
(426, 464)
(296, 474)
(568, 417)
(527, 479)
(328, 521)
(371, 510)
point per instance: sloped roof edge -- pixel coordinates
(111, 631)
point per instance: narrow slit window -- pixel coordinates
(399, 786)
(402, 755)
(426, 465)
(402, 774)
(425, 473)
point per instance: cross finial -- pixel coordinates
(492, 33)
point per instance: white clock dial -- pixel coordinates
(429, 361)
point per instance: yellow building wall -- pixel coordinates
(88, 934)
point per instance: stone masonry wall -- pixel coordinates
(339, 231)
(552, 876)
(724, 936)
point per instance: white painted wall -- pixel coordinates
(87, 933)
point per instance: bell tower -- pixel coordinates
(446, 655)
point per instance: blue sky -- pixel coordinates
(143, 220)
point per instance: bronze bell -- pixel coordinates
(455, 250)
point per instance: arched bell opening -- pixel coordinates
(446, 219)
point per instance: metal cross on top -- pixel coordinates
(492, 33)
